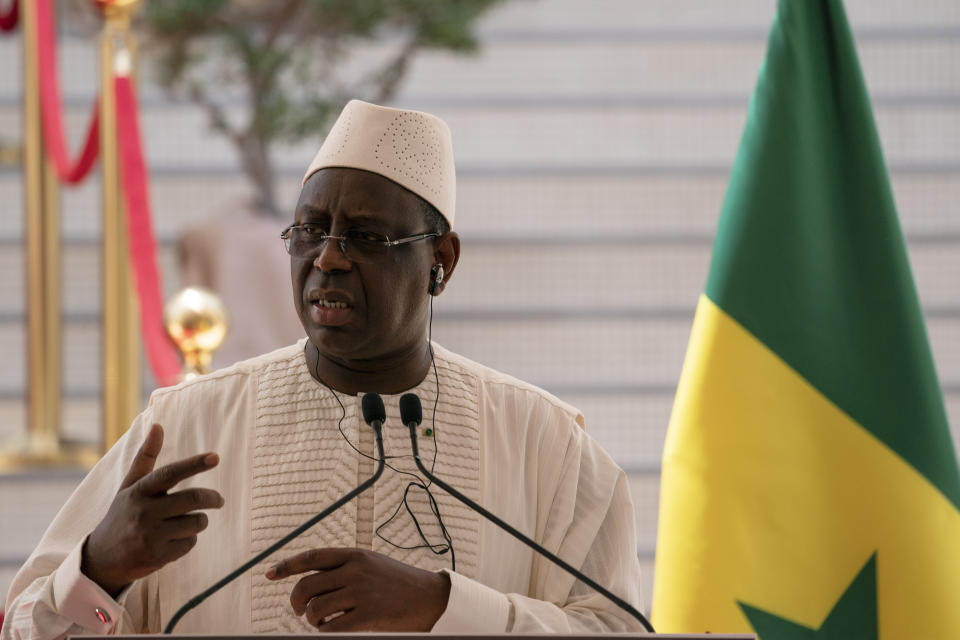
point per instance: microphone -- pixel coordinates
(411, 413)
(374, 415)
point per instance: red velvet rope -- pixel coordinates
(50, 104)
(8, 22)
(160, 352)
(163, 359)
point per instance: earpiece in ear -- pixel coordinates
(436, 278)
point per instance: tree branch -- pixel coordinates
(388, 79)
(218, 119)
(277, 28)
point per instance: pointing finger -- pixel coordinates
(146, 457)
(311, 560)
(165, 478)
(313, 586)
(175, 504)
(179, 548)
(182, 527)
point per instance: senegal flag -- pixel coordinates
(810, 487)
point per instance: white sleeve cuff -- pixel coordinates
(81, 600)
(473, 608)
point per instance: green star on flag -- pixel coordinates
(853, 617)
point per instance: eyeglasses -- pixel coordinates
(305, 240)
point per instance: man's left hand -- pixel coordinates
(374, 592)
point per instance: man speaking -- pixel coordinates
(218, 468)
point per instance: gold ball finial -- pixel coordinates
(117, 12)
(116, 5)
(197, 322)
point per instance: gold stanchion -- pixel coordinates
(120, 329)
(11, 155)
(42, 444)
(197, 322)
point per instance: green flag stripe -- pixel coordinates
(809, 255)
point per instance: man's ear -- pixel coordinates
(446, 253)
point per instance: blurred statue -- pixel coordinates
(240, 256)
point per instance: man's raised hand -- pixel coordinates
(146, 527)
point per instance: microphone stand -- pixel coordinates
(236, 573)
(620, 602)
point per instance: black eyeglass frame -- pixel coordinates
(343, 241)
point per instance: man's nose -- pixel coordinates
(331, 257)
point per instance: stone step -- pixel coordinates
(29, 502)
(662, 206)
(508, 276)
(80, 419)
(612, 352)
(736, 14)
(921, 139)
(570, 353)
(556, 59)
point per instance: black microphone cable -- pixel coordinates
(375, 415)
(411, 413)
(417, 482)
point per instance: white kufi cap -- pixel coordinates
(412, 148)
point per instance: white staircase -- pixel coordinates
(593, 142)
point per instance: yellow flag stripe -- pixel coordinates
(773, 496)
